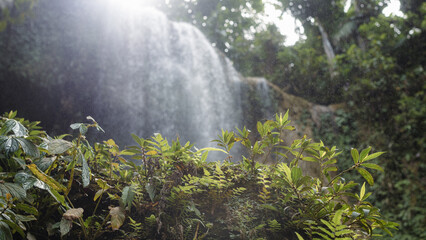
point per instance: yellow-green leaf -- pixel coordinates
(372, 166)
(362, 192)
(46, 179)
(366, 175)
(355, 155)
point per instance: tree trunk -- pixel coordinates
(328, 48)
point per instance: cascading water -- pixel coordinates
(130, 68)
(163, 76)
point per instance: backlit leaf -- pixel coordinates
(366, 175)
(373, 156)
(372, 166)
(355, 155)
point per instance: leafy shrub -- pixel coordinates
(158, 190)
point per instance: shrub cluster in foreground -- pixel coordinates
(53, 188)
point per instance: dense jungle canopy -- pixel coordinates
(368, 66)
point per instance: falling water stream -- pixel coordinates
(131, 68)
(163, 76)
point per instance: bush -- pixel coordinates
(69, 189)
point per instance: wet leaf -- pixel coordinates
(16, 127)
(117, 217)
(85, 174)
(44, 163)
(127, 195)
(58, 146)
(151, 191)
(65, 226)
(73, 214)
(45, 178)
(28, 147)
(14, 189)
(75, 125)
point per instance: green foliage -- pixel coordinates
(157, 190)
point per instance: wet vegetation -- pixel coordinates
(369, 65)
(67, 188)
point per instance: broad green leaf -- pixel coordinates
(58, 146)
(16, 190)
(27, 208)
(85, 174)
(11, 145)
(28, 147)
(373, 156)
(14, 226)
(12, 125)
(27, 181)
(24, 218)
(337, 217)
(287, 171)
(309, 159)
(355, 155)
(44, 163)
(75, 125)
(362, 192)
(137, 139)
(128, 195)
(117, 217)
(366, 175)
(65, 226)
(45, 178)
(5, 233)
(83, 129)
(296, 173)
(58, 197)
(98, 194)
(330, 169)
(102, 184)
(364, 153)
(372, 166)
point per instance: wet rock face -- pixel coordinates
(134, 72)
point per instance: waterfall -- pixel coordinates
(130, 68)
(163, 76)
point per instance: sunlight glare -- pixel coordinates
(393, 8)
(128, 6)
